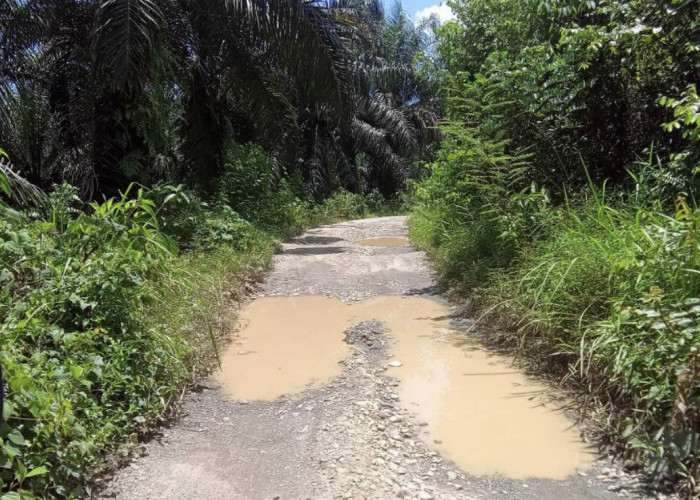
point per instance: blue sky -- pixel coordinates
(423, 8)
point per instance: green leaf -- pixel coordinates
(16, 437)
(4, 185)
(38, 471)
(10, 450)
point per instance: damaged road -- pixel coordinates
(347, 437)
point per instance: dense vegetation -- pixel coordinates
(564, 201)
(111, 309)
(154, 153)
(104, 93)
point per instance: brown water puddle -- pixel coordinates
(286, 345)
(481, 412)
(386, 241)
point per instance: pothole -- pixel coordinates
(285, 346)
(384, 241)
(481, 412)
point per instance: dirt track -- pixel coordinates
(349, 439)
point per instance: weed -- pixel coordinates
(602, 292)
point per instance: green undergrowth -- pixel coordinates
(104, 324)
(602, 291)
(110, 310)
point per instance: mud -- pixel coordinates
(480, 411)
(285, 345)
(387, 241)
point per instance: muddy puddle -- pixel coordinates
(285, 345)
(385, 241)
(481, 412)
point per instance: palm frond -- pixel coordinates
(304, 40)
(400, 131)
(19, 190)
(374, 142)
(261, 94)
(124, 40)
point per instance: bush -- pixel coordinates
(84, 369)
(619, 286)
(344, 205)
(604, 294)
(464, 213)
(102, 325)
(249, 185)
(220, 225)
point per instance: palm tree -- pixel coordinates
(105, 92)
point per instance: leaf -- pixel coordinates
(4, 184)
(37, 471)
(16, 437)
(10, 450)
(124, 40)
(23, 191)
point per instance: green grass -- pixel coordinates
(197, 300)
(108, 314)
(607, 299)
(614, 294)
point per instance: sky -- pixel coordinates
(423, 8)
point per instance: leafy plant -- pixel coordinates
(96, 372)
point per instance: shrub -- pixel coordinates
(84, 369)
(465, 216)
(249, 184)
(344, 205)
(615, 292)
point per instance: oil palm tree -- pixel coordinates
(81, 83)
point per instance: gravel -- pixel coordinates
(349, 439)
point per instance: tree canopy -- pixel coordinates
(103, 93)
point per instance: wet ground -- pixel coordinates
(348, 380)
(386, 241)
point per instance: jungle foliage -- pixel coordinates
(154, 153)
(103, 93)
(564, 203)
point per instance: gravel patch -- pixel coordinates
(349, 439)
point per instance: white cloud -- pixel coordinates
(443, 12)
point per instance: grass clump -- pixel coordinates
(602, 291)
(108, 311)
(612, 298)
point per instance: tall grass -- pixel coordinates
(614, 294)
(197, 301)
(606, 295)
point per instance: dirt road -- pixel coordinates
(350, 437)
